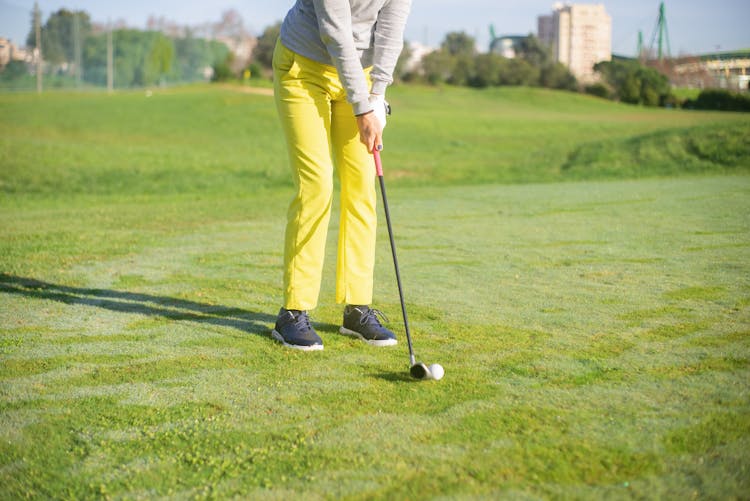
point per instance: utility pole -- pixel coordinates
(77, 48)
(38, 33)
(110, 62)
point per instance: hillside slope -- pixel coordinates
(202, 138)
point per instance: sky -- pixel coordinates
(695, 26)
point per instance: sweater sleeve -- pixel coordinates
(389, 41)
(335, 25)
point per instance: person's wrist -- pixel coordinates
(380, 108)
(378, 87)
(362, 107)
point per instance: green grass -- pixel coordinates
(595, 332)
(191, 140)
(683, 93)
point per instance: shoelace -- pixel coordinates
(302, 321)
(372, 316)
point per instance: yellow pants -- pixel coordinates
(321, 131)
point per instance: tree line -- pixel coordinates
(457, 62)
(74, 47)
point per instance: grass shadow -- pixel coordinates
(395, 377)
(326, 327)
(140, 303)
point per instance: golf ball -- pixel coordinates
(437, 371)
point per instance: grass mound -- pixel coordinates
(716, 148)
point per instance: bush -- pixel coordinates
(670, 101)
(518, 71)
(719, 99)
(598, 90)
(14, 70)
(223, 70)
(557, 76)
(255, 70)
(634, 83)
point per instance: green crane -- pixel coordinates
(662, 34)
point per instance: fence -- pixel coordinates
(68, 51)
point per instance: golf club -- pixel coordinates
(418, 370)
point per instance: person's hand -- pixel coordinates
(380, 107)
(370, 131)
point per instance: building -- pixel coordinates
(10, 52)
(417, 52)
(6, 51)
(507, 45)
(725, 70)
(241, 46)
(580, 35)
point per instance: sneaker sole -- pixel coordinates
(373, 342)
(278, 337)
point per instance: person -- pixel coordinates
(332, 64)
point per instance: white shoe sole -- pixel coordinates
(278, 337)
(373, 342)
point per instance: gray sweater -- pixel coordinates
(350, 35)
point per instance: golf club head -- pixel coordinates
(420, 371)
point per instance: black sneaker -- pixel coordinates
(362, 322)
(293, 329)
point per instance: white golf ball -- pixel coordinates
(437, 371)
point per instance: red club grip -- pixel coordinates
(378, 163)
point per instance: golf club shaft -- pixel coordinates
(379, 171)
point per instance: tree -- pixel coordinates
(634, 83)
(453, 62)
(654, 86)
(459, 44)
(158, 62)
(140, 58)
(463, 70)
(518, 71)
(223, 69)
(557, 76)
(487, 69)
(533, 51)
(58, 35)
(458, 63)
(263, 52)
(193, 56)
(437, 66)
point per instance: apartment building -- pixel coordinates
(580, 36)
